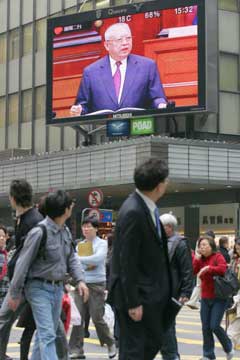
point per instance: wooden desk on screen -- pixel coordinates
(177, 60)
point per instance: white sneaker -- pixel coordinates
(77, 356)
(112, 351)
(230, 355)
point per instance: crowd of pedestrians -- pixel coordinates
(145, 270)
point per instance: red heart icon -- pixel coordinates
(58, 30)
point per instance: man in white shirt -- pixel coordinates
(95, 277)
(120, 79)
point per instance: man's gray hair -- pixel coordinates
(169, 219)
(113, 30)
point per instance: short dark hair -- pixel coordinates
(3, 228)
(10, 230)
(223, 240)
(41, 205)
(150, 173)
(210, 241)
(210, 233)
(56, 203)
(237, 240)
(21, 191)
(91, 220)
(110, 238)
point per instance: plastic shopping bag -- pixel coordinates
(109, 317)
(75, 315)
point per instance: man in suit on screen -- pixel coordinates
(140, 285)
(120, 79)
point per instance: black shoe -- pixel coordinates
(86, 334)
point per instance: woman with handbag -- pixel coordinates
(208, 263)
(233, 329)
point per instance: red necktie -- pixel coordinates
(117, 78)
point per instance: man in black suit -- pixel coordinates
(140, 276)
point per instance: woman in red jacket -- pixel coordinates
(207, 264)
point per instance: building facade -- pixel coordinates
(23, 130)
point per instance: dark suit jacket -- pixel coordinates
(140, 271)
(142, 86)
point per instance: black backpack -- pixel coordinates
(41, 252)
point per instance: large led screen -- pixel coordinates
(134, 60)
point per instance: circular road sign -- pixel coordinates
(95, 213)
(95, 198)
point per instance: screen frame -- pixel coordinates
(132, 9)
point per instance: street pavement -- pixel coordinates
(188, 334)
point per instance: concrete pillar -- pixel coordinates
(191, 224)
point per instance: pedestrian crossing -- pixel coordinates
(189, 336)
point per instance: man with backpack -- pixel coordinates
(20, 196)
(182, 279)
(41, 274)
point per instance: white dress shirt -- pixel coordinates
(150, 204)
(123, 69)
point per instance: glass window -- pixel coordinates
(88, 5)
(14, 13)
(3, 48)
(70, 3)
(229, 113)
(229, 37)
(71, 10)
(231, 5)
(27, 39)
(41, 8)
(229, 80)
(3, 17)
(59, 13)
(40, 102)
(55, 6)
(13, 109)
(27, 11)
(102, 4)
(2, 111)
(41, 28)
(26, 106)
(14, 44)
(120, 2)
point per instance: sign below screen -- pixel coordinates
(145, 59)
(142, 126)
(118, 128)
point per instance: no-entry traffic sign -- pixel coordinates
(95, 198)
